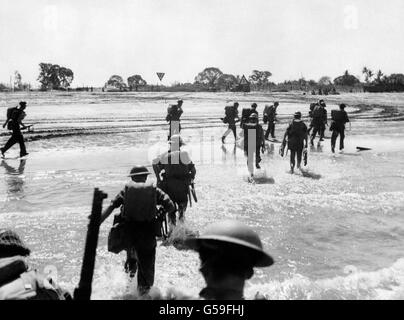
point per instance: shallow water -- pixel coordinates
(335, 232)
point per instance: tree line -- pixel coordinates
(56, 77)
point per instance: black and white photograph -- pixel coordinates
(201, 150)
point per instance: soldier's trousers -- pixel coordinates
(334, 136)
(318, 129)
(270, 130)
(16, 137)
(182, 207)
(297, 153)
(141, 253)
(232, 128)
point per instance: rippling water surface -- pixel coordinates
(336, 232)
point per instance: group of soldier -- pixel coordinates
(228, 250)
(296, 135)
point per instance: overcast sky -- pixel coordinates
(290, 38)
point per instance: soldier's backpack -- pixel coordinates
(269, 113)
(265, 114)
(10, 115)
(245, 114)
(337, 115)
(312, 106)
(10, 112)
(317, 113)
(140, 201)
(173, 112)
(230, 113)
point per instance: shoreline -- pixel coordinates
(59, 98)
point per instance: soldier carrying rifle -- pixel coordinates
(296, 137)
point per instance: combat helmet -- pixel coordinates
(235, 233)
(138, 171)
(11, 244)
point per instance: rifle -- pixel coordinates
(83, 291)
(193, 192)
(282, 148)
(162, 218)
(189, 197)
(305, 156)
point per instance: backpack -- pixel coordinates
(228, 114)
(337, 115)
(317, 112)
(312, 106)
(297, 130)
(245, 114)
(140, 201)
(265, 114)
(269, 113)
(229, 111)
(173, 112)
(10, 112)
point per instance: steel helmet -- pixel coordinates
(11, 242)
(236, 233)
(253, 116)
(138, 171)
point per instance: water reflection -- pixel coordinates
(14, 178)
(229, 153)
(318, 148)
(270, 149)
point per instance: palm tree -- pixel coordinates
(368, 74)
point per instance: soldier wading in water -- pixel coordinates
(15, 116)
(175, 173)
(296, 137)
(174, 113)
(254, 142)
(137, 225)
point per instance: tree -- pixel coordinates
(17, 80)
(53, 76)
(66, 77)
(209, 77)
(116, 82)
(312, 83)
(368, 74)
(324, 81)
(395, 79)
(379, 77)
(346, 80)
(136, 81)
(260, 78)
(227, 82)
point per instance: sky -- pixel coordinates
(290, 38)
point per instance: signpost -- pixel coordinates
(160, 75)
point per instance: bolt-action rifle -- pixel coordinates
(83, 291)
